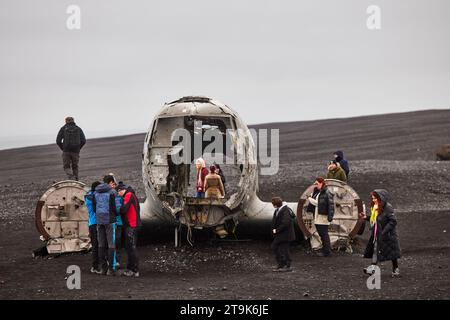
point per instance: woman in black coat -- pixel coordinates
(383, 243)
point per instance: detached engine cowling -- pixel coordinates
(345, 225)
(62, 217)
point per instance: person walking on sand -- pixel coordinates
(70, 140)
(283, 233)
(383, 244)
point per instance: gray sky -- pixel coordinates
(269, 60)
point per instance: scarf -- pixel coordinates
(373, 220)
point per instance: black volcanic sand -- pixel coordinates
(395, 152)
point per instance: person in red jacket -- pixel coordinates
(202, 172)
(130, 212)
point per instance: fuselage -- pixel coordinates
(187, 129)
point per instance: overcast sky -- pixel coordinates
(269, 60)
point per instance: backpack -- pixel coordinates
(72, 137)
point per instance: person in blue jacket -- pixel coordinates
(92, 224)
(118, 225)
(106, 205)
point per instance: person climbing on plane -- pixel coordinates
(213, 184)
(202, 172)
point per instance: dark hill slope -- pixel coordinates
(400, 136)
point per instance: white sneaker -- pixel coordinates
(129, 273)
(396, 273)
(97, 271)
(370, 270)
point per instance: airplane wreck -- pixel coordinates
(175, 139)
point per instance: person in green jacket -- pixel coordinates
(336, 172)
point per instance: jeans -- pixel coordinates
(200, 195)
(106, 245)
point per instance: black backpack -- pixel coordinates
(72, 137)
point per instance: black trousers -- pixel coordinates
(106, 245)
(119, 246)
(131, 247)
(281, 252)
(325, 237)
(94, 243)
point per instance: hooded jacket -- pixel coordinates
(342, 162)
(106, 204)
(337, 174)
(130, 210)
(386, 226)
(88, 200)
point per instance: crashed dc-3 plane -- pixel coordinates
(182, 131)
